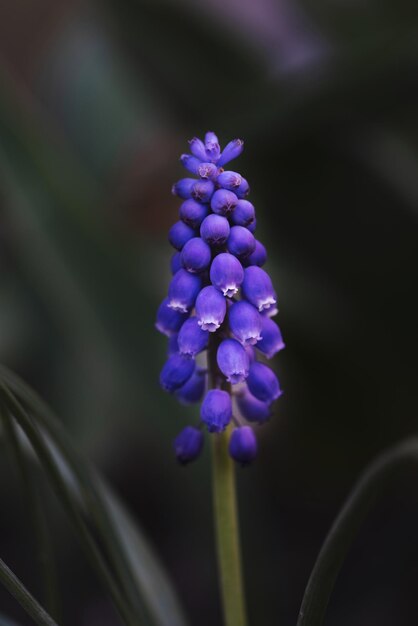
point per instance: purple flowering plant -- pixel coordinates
(220, 304)
(218, 318)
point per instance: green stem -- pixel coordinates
(372, 484)
(226, 518)
(227, 532)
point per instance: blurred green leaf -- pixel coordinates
(139, 574)
(24, 597)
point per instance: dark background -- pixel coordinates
(97, 101)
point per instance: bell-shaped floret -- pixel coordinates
(262, 382)
(243, 445)
(226, 274)
(233, 361)
(188, 444)
(216, 410)
(183, 290)
(210, 308)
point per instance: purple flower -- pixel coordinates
(209, 293)
(212, 148)
(244, 213)
(258, 256)
(191, 338)
(243, 445)
(176, 372)
(192, 391)
(197, 148)
(243, 190)
(175, 263)
(169, 321)
(272, 340)
(173, 346)
(258, 289)
(183, 291)
(215, 229)
(188, 444)
(207, 171)
(262, 382)
(226, 274)
(229, 180)
(193, 213)
(191, 163)
(210, 309)
(223, 202)
(196, 255)
(183, 188)
(233, 361)
(216, 410)
(245, 322)
(241, 242)
(203, 190)
(179, 234)
(253, 409)
(231, 151)
(252, 227)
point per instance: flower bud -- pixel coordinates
(233, 361)
(183, 290)
(183, 188)
(176, 371)
(243, 445)
(262, 382)
(245, 322)
(175, 263)
(191, 163)
(229, 180)
(169, 321)
(241, 242)
(216, 410)
(196, 255)
(207, 171)
(215, 230)
(179, 233)
(210, 309)
(258, 256)
(173, 346)
(223, 202)
(188, 444)
(258, 289)
(203, 190)
(197, 148)
(226, 274)
(191, 338)
(213, 150)
(244, 213)
(231, 151)
(252, 227)
(243, 190)
(192, 391)
(272, 340)
(252, 409)
(193, 213)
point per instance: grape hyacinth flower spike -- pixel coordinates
(220, 303)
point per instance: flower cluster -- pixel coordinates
(220, 302)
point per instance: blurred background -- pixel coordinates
(97, 102)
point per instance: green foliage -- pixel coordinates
(117, 549)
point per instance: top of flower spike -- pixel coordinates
(209, 151)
